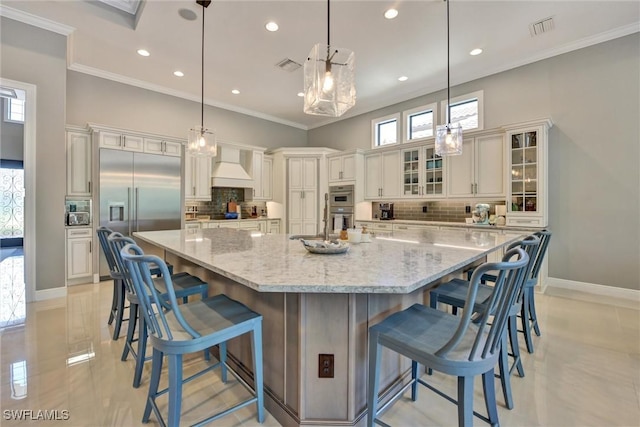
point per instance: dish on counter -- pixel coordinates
(324, 247)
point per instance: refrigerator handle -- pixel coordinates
(137, 198)
(129, 209)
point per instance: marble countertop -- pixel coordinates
(396, 263)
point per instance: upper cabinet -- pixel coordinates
(343, 168)
(382, 175)
(197, 178)
(161, 146)
(480, 170)
(120, 141)
(261, 171)
(527, 146)
(422, 173)
(78, 163)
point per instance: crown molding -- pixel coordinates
(36, 21)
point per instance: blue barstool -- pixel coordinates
(454, 293)
(464, 346)
(185, 285)
(176, 330)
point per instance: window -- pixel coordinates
(466, 110)
(419, 123)
(14, 110)
(385, 131)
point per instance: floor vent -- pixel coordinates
(543, 26)
(288, 65)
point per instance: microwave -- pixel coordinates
(341, 196)
(78, 218)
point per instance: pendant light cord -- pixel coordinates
(328, 26)
(448, 74)
(204, 8)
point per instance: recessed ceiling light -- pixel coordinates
(475, 52)
(403, 78)
(235, 91)
(143, 52)
(391, 13)
(271, 26)
(178, 73)
(300, 94)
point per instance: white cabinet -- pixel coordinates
(79, 252)
(253, 225)
(343, 168)
(382, 175)
(120, 141)
(195, 225)
(197, 178)
(527, 203)
(479, 171)
(262, 174)
(273, 226)
(78, 163)
(303, 195)
(161, 146)
(422, 173)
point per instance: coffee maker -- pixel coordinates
(386, 211)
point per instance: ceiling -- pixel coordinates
(241, 54)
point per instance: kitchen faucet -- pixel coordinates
(325, 217)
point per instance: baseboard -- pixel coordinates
(630, 295)
(51, 293)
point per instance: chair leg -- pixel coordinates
(489, 388)
(257, 369)
(141, 353)
(465, 401)
(131, 329)
(532, 311)
(505, 377)
(414, 380)
(114, 301)
(515, 348)
(374, 377)
(222, 350)
(119, 310)
(156, 369)
(175, 389)
(526, 325)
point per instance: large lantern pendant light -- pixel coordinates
(202, 141)
(448, 137)
(329, 84)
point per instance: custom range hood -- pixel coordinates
(227, 170)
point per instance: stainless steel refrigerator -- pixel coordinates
(138, 192)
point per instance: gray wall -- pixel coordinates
(11, 137)
(31, 55)
(593, 97)
(95, 100)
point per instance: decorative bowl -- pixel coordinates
(323, 247)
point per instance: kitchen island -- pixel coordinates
(322, 304)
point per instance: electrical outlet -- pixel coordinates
(424, 209)
(467, 209)
(325, 366)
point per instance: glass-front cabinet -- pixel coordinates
(422, 173)
(528, 189)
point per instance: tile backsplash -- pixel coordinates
(217, 207)
(446, 210)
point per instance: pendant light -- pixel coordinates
(448, 137)
(329, 86)
(202, 141)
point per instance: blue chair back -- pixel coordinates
(545, 237)
(103, 235)
(116, 242)
(507, 288)
(155, 307)
(530, 245)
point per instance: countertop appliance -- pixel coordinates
(138, 192)
(77, 212)
(386, 211)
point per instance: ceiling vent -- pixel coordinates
(288, 65)
(540, 27)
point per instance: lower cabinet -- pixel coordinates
(273, 226)
(79, 253)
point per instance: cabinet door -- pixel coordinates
(153, 146)
(296, 207)
(372, 172)
(410, 170)
(132, 143)
(460, 171)
(110, 140)
(310, 174)
(310, 206)
(172, 149)
(434, 173)
(256, 174)
(267, 178)
(489, 166)
(79, 257)
(349, 167)
(296, 181)
(189, 173)
(391, 174)
(335, 169)
(78, 164)
(202, 178)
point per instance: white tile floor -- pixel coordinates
(585, 371)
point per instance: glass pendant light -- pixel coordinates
(448, 137)
(329, 83)
(202, 141)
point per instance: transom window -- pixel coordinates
(385, 131)
(14, 110)
(466, 110)
(419, 122)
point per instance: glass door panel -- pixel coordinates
(434, 176)
(411, 173)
